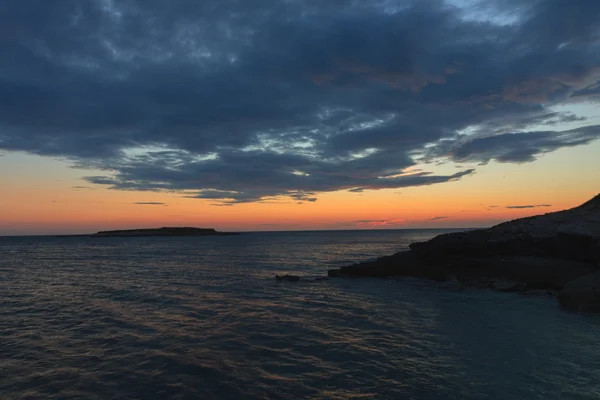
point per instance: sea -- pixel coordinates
(204, 318)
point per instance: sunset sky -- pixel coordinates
(295, 114)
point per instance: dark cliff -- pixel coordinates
(542, 252)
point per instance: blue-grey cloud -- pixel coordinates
(513, 147)
(243, 101)
(150, 203)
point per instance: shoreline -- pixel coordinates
(557, 251)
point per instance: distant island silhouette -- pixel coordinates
(165, 231)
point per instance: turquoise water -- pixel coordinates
(203, 318)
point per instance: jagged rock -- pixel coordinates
(582, 294)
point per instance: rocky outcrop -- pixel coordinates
(288, 278)
(543, 252)
(571, 234)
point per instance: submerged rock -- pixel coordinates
(296, 278)
(289, 278)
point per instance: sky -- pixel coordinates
(295, 114)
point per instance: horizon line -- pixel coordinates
(253, 231)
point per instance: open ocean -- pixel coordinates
(204, 318)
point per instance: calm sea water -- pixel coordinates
(203, 318)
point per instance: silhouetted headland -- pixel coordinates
(557, 252)
(166, 231)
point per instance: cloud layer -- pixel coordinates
(238, 101)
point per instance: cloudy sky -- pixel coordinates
(295, 114)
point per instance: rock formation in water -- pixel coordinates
(545, 252)
(288, 278)
(166, 231)
(297, 278)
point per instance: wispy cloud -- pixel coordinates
(437, 218)
(530, 206)
(373, 222)
(150, 203)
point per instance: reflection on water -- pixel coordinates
(204, 318)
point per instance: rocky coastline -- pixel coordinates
(556, 253)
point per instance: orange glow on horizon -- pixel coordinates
(36, 202)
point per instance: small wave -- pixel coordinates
(189, 319)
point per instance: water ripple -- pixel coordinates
(181, 318)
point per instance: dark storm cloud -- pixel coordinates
(244, 101)
(258, 182)
(531, 206)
